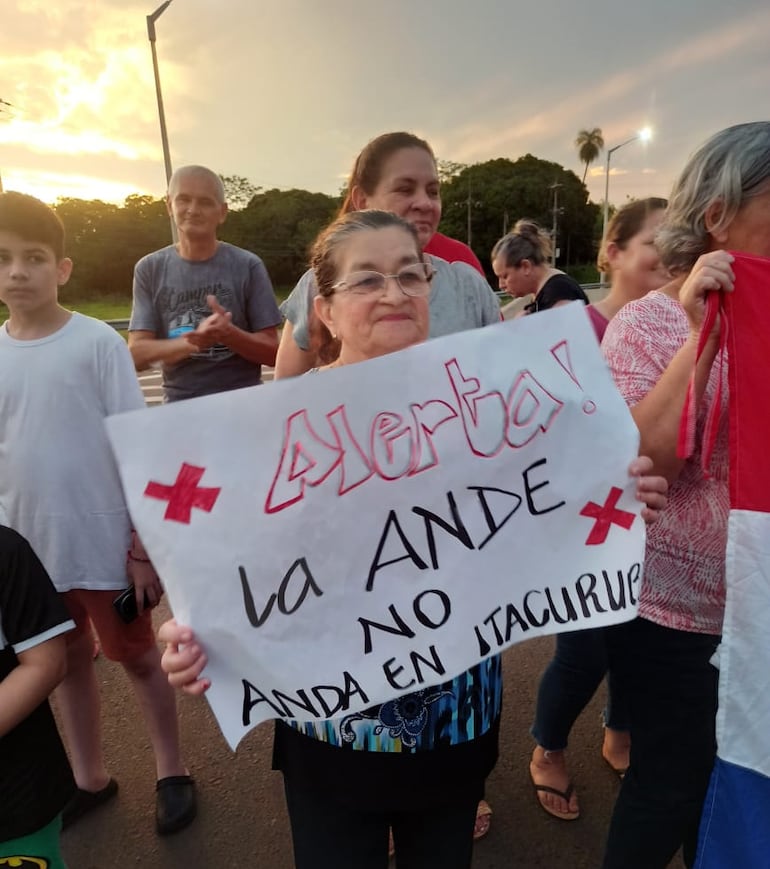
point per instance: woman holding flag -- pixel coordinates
(664, 355)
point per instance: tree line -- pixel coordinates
(482, 201)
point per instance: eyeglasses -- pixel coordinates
(413, 280)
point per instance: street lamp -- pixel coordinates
(151, 19)
(644, 135)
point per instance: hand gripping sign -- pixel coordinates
(345, 537)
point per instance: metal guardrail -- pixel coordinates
(151, 380)
(122, 325)
(501, 294)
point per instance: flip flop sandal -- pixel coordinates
(480, 829)
(483, 820)
(565, 795)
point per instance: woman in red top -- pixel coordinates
(397, 172)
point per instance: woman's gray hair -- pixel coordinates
(203, 171)
(323, 261)
(729, 168)
(323, 253)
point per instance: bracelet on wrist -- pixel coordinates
(131, 557)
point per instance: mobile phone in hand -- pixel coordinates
(125, 605)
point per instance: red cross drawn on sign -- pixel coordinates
(606, 516)
(184, 495)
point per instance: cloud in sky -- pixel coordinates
(69, 185)
(286, 92)
(621, 96)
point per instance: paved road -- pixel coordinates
(242, 821)
(150, 381)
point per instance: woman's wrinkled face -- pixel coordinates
(749, 231)
(409, 187)
(638, 260)
(374, 324)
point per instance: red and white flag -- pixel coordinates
(735, 827)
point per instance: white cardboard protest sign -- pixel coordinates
(344, 537)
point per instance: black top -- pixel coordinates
(382, 781)
(435, 746)
(558, 288)
(35, 776)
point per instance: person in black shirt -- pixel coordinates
(35, 777)
(521, 262)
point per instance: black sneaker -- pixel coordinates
(83, 802)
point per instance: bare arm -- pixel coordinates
(142, 574)
(292, 360)
(144, 344)
(258, 347)
(658, 415)
(40, 670)
(146, 349)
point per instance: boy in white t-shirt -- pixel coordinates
(63, 374)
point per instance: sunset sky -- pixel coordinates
(285, 92)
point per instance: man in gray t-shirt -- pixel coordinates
(203, 309)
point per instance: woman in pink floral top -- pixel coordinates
(721, 202)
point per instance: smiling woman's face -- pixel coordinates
(638, 259)
(378, 323)
(408, 187)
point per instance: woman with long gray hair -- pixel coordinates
(720, 203)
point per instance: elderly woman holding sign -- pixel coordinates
(720, 203)
(417, 764)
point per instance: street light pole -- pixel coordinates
(469, 210)
(555, 187)
(644, 135)
(151, 19)
(3, 110)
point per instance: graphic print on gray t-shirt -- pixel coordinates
(186, 309)
(170, 300)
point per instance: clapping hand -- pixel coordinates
(215, 329)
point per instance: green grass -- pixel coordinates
(120, 309)
(103, 309)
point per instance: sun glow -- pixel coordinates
(50, 186)
(80, 110)
(45, 137)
